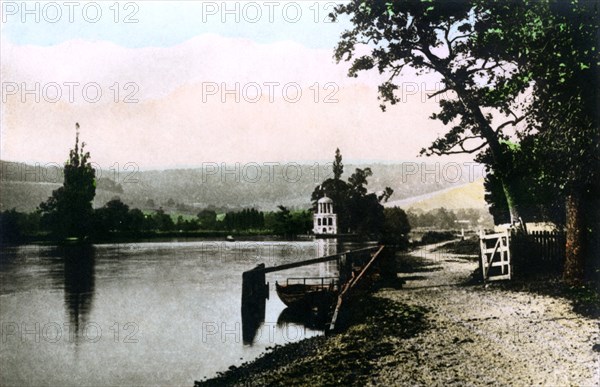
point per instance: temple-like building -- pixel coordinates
(325, 220)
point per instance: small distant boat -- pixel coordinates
(308, 292)
(230, 238)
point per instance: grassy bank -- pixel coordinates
(351, 357)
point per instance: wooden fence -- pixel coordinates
(512, 252)
(538, 251)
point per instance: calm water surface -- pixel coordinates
(141, 313)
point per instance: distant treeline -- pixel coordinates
(244, 220)
(116, 218)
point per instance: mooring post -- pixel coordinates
(344, 267)
(254, 287)
(254, 293)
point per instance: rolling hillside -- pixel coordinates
(470, 195)
(24, 186)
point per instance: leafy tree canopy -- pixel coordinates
(357, 210)
(68, 212)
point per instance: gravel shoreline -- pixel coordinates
(436, 331)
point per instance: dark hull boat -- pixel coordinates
(308, 296)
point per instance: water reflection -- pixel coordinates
(253, 315)
(79, 266)
(327, 246)
(253, 307)
(8, 255)
(309, 319)
(253, 302)
(168, 289)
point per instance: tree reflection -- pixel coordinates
(79, 262)
(253, 315)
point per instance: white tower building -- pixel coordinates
(325, 220)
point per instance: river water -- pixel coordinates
(161, 313)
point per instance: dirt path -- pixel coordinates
(485, 336)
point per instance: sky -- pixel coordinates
(181, 83)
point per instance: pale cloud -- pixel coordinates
(176, 124)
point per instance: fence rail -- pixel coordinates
(539, 251)
(549, 246)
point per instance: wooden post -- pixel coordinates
(482, 248)
(508, 258)
(253, 284)
(254, 293)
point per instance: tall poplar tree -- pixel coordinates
(68, 212)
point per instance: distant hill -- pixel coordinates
(233, 187)
(470, 195)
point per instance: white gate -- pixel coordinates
(495, 252)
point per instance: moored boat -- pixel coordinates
(308, 293)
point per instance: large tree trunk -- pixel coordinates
(574, 269)
(511, 201)
(491, 136)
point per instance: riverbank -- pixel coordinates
(439, 331)
(347, 358)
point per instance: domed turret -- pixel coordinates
(325, 205)
(325, 220)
